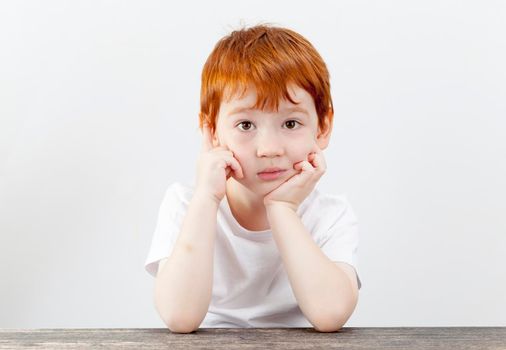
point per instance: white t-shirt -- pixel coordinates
(250, 285)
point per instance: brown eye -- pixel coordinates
(291, 124)
(247, 127)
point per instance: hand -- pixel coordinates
(215, 166)
(293, 191)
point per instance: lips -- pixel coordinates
(269, 174)
(271, 170)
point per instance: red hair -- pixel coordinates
(270, 59)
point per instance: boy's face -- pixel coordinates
(265, 139)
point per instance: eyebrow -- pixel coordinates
(289, 109)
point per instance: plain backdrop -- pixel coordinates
(99, 105)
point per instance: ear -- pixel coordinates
(324, 131)
(214, 134)
(216, 141)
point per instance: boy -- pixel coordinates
(276, 252)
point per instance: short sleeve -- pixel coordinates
(340, 239)
(170, 218)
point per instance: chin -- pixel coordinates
(259, 187)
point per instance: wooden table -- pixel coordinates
(455, 338)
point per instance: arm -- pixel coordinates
(324, 291)
(184, 281)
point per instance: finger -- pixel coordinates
(236, 167)
(307, 172)
(301, 163)
(231, 163)
(317, 161)
(305, 166)
(222, 148)
(207, 142)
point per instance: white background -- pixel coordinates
(99, 105)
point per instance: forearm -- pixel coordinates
(183, 285)
(323, 291)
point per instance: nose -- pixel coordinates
(269, 145)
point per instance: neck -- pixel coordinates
(247, 207)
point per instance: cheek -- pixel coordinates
(239, 147)
(242, 156)
(236, 140)
(301, 150)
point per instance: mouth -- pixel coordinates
(271, 174)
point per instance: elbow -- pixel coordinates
(178, 322)
(331, 322)
(327, 325)
(181, 325)
(334, 321)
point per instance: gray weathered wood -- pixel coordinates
(455, 338)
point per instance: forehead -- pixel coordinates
(234, 101)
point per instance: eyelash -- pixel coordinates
(291, 120)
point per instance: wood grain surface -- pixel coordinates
(455, 338)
